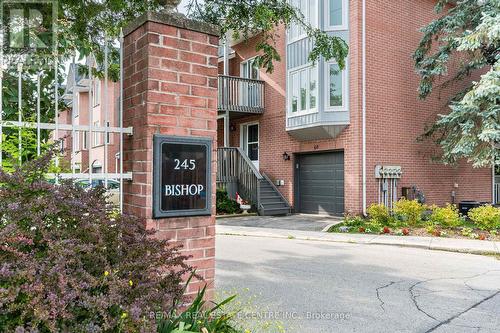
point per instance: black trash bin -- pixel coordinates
(466, 205)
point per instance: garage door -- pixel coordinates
(320, 183)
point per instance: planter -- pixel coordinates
(245, 208)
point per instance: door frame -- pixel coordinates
(244, 140)
(296, 175)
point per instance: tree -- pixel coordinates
(244, 19)
(83, 28)
(468, 30)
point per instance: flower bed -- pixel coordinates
(410, 218)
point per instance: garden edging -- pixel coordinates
(428, 243)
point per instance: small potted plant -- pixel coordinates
(244, 205)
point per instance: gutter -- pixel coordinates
(363, 121)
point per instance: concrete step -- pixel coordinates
(275, 211)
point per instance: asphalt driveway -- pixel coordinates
(302, 222)
(315, 286)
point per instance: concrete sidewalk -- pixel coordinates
(430, 243)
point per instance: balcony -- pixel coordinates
(240, 96)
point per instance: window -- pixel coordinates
(336, 87)
(85, 141)
(97, 135)
(336, 15)
(253, 142)
(96, 93)
(303, 90)
(108, 135)
(76, 142)
(76, 105)
(309, 9)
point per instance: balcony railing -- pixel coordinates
(238, 94)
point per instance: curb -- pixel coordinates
(371, 241)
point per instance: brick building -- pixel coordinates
(82, 149)
(301, 126)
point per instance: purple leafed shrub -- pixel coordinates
(69, 264)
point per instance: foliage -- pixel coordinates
(69, 264)
(354, 221)
(409, 211)
(245, 19)
(469, 31)
(445, 217)
(226, 205)
(200, 316)
(379, 213)
(485, 217)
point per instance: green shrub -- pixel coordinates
(200, 317)
(354, 221)
(226, 205)
(445, 217)
(379, 214)
(409, 211)
(69, 264)
(485, 217)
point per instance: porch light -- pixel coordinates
(286, 157)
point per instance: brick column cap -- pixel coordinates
(173, 19)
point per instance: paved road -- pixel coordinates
(314, 286)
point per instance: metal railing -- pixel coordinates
(234, 167)
(238, 94)
(18, 122)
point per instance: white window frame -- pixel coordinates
(76, 142)
(327, 88)
(96, 140)
(307, 17)
(108, 137)
(85, 145)
(248, 62)
(96, 93)
(345, 16)
(76, 105)
(313, 69)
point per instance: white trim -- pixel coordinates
(345, 17)
(307, 18)
(363, 108)
(247, 61)
(312, 70)
(345, 82)
(244, 140)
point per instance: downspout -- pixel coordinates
(226, 72)
(363, 111)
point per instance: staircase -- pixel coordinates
(271, 201)
(236, 173)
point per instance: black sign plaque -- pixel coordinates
(182, 183)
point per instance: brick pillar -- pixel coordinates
(170, 87)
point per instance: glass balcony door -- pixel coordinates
(249, 91)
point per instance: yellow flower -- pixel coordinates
(130, 283)
(124, 315)
(106, 273)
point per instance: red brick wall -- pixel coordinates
(395, 115)
(170, 88)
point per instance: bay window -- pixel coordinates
(308, 8)
(303, 90)
(336, 87)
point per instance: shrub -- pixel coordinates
(379, 214)
(200, 317)
(226, 205)
(69, 264)
(409, 211)
(445, 217)
(354, 221)
(485, 217)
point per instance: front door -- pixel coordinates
(250, 142)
